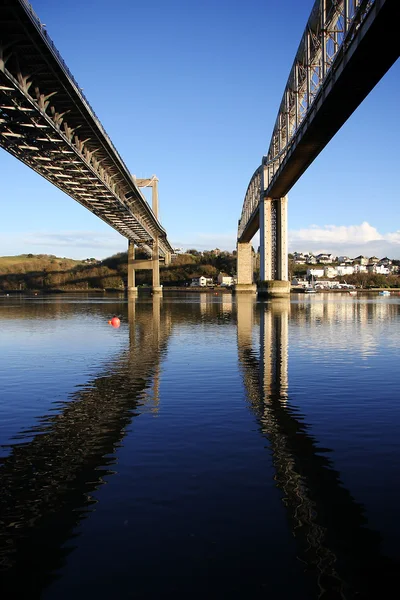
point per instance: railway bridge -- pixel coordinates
(346, 48)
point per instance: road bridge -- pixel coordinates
(48, 124)
(346, 48)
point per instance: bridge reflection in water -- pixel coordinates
(341, 556)
(47, 483)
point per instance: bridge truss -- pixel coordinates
(47, 123)
(346, 47)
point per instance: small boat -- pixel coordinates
(384, 293)
(352, 292)
(310, 289)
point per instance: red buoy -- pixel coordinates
(115, 322)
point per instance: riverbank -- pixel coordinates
(297, 290)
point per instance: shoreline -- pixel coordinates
(184, 290)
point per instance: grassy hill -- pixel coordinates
(48, 273)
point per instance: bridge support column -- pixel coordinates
(132, 289)
(265, 239)
(245, 268)
(157, 288)
(282, 240)
(273, 248)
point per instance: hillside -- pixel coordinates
(48, 273)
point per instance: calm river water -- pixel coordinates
(209, 447)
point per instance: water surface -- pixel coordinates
(210, 446)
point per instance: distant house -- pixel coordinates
(343, 270)
(201, 281)
(300, 281)
(325, 259)
(361, 260)
(311, 260)
(359, 268)
(379, 269)
(315, 272)
(225, 280)
(385, 261)
(324, 284)
(344, 260)
(330, 272)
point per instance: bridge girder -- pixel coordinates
(47, 123)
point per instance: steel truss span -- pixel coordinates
(47, 123)
(346, 48)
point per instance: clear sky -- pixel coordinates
(189, 91)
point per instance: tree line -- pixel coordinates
(48, 273)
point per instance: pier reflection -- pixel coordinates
(341, 555)
(46, 483)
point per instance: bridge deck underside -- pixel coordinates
(46, 122)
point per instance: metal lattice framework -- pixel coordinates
(47, 123)
(333, 31)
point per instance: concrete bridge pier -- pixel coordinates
(157, 288)
(274, 275)
(132, 289)
(245, 269)
(152, 264)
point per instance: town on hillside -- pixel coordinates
(327, 270)
(190, 268)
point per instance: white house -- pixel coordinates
(299, 281)
(330, 272)
(385, 261)
(380, 269)
(299, 258)
(201, 281)
(311, 260)
(224, 279)
(315, 272)
(345, 260)
(325, 258)
(343, 270)
(360, 268)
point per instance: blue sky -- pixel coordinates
(189, 91)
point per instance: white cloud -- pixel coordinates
(342, 234)
(394, 237)
(352, 240)
(338, 239)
